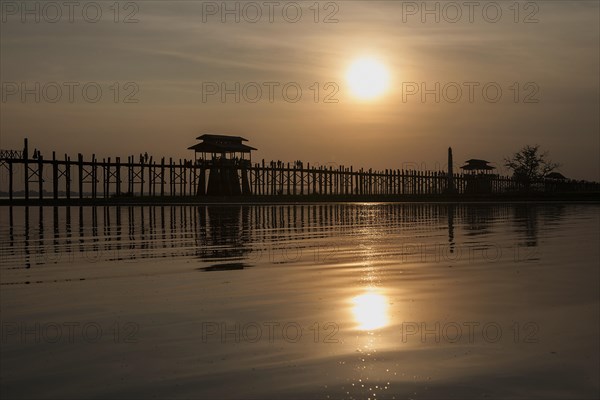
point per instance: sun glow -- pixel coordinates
(370, 311)
(368, 78)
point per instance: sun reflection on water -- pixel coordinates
(370, 311)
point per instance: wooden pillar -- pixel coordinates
(334, 180)
(80, 168)
(401, 182)
(141, 175)
(190, 176)
(94, 176)
(162, 176)
(26, 167)
(202, 185)
(40, 176)
(254, 175)
(187, 177)
(267, 180)
(129, 179)
(54, 176)
(389, 181)
(261, 179)
(350, 181)
(68, 176)
(315, 173)
(289, 183)
(181, 180)
(331, 177)
(258, 179)
(267, 185)
(294, 182)
(386, 182)
(151, 167)
(273, 179)
(341, 186)
(118, 177)
(320, 180)
(106, 177)
(10, 180)
(171, 183)
(432, 181)
(193, 178)
(301, 178)
(372, 181)
(346, 181)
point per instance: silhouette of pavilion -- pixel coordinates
(223, 155)
(476, 166)
(556, 176)
(221, 146)
(479, 177)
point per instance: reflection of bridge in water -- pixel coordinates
(237, 236)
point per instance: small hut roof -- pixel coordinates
(556, 175)
(475, 164)
(476, 160)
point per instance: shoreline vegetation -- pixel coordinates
(593, 197)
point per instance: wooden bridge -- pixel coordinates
(23, 175)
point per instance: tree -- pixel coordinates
(529, 164)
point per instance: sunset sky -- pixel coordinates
(177, 50)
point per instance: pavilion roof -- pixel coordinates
(214, 138)
(221, 144)
(476, 164)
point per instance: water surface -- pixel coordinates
(301, 301)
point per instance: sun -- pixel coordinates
(368, 78)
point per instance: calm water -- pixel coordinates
(301, 301)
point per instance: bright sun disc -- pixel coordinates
(368, 78)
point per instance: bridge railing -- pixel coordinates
(23, 177)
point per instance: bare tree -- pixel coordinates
(529, 164)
